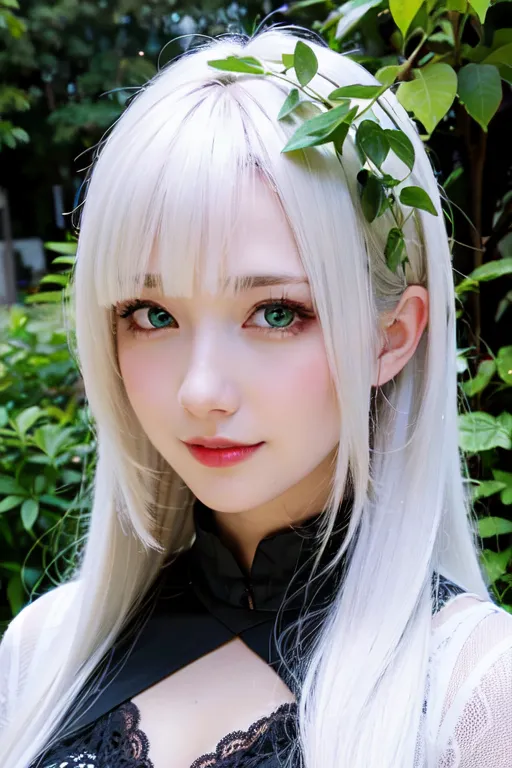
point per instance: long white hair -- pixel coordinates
(167, 177)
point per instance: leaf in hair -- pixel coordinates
(416, 197)
(292, 101)
(305, 63)
(372, 142)
(402, 146)
(288, 60)
(372, 197)
(356, 92)
(341, 132)
(394, 250)
(245, 65)
(319, 129)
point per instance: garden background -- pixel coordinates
(67, 70)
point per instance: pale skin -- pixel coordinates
(220, 369)
(215, 369)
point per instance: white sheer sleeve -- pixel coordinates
(24, 633)
(475, 728)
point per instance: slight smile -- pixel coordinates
(219, 452)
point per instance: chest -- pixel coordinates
(187, 714)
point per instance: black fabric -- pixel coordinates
(200, 601)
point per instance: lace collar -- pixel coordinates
(281, 568)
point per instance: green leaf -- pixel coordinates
(351, 13)
(487, 488)
(4, 416)
(10, 502)
(340, 134)
(45, 297)
(493, 526)
(486, 371)
(355, 92)
(395, 249)
(480, 91)
(39, 483)
(387, 75)
(504, 364)
(305, 63)
(505, 419)
(502, 58)
(372, 141)
(27, 419)
(29, 513)
(479, 431)
(481, 6)
(403, 12)
(244, 64)
(52, 439)
(57, 279)
(457, 5)
(292, 101)
(319, 129)
(453, 176)
(506, 478)
(372, 197)
(15, 594)
(416, 197)
(492, 270)
(496, 563)
(68, 260)
(68, 249)
(8, 486)
(288, 61)
(430, 95)
(401, 145)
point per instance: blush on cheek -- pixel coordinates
(142, 376)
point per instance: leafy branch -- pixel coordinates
(333, 124)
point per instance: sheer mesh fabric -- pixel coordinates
(467, 722)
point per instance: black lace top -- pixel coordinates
(204, 599)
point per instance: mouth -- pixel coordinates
(220, 452)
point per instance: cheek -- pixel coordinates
(146, 375)
(299, 382)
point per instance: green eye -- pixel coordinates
(159, 318)
(279, 317)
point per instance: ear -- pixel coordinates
(401, 330)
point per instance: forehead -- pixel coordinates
(260, 241)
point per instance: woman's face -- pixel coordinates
(249, 367)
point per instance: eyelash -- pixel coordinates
(302, 311)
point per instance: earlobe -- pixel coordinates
(401, 331)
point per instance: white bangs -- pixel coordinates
(166, 189)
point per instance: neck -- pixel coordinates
(242, 531)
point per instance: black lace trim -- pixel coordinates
(115, 740)
(261, 738)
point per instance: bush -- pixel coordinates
(46, 455)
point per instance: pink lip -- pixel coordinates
(223, 456)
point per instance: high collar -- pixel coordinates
(281, 568)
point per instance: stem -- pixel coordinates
(476, 151)
(405, 69)
(317, 96)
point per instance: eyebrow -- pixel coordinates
(242, 283)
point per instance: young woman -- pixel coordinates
(280, 567)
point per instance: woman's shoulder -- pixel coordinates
(46, 610)
(42, 615)
(471, 681)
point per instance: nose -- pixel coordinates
(208, 388)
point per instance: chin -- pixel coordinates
(232, 496)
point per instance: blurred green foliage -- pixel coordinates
(46, 447)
